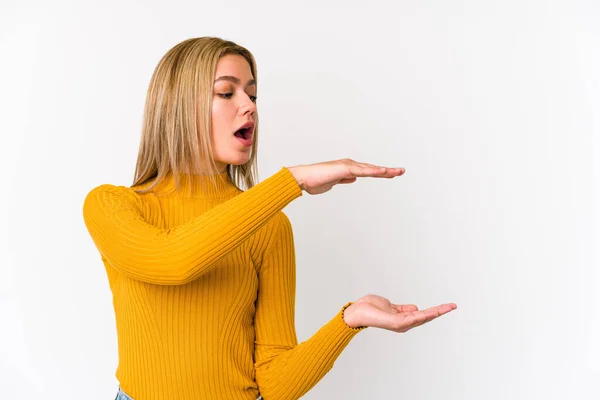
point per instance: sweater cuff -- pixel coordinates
(341, 315)
(290, 182)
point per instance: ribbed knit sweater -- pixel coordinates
(203, 282)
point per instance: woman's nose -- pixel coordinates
(248, 106)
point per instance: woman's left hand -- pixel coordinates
(379, 312)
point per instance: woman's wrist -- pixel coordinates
(296, 175)
(350, 315)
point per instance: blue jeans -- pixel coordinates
(121, 395)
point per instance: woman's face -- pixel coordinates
(233, 107)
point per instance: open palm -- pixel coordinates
(379, 312)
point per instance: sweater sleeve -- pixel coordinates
(142, 251)
(284, 368)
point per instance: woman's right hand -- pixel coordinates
(321, 177)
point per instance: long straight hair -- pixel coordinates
(176, 132)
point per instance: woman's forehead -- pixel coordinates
(234, 68)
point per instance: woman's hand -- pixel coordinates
(321, 177)
(378, 312)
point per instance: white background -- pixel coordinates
(492, 107)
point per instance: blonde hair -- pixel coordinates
(179, 101)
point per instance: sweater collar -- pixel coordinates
(197, 186)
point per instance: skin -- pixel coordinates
(234, 103)
(379, 312)
(370, 310)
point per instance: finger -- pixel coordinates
(437, 311)
(444, 308)
(393, 172)
(362, 164)
(389, 172)
(375, 172)
(432, 313)
(367, 171)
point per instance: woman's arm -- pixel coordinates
(284, 368)
(176, 256)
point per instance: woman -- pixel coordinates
(202, 273)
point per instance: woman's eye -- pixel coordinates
(228, 96)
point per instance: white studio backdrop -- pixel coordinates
(492, 108)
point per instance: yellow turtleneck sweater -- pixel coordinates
(204, 282)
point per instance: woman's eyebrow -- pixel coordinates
(234, 80)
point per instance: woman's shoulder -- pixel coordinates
(282, 221)
(112, 190)
(110, 196)
(279, 229)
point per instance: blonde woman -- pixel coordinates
(202, 273)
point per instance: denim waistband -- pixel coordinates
(121, 395)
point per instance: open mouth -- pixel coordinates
(244, 133)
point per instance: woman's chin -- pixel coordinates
(237, 160)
